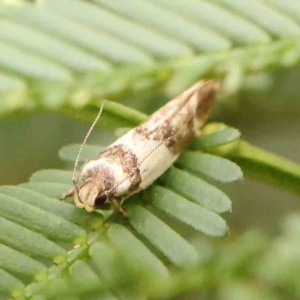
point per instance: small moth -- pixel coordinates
(140, 156)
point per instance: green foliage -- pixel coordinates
(35, 226)
(66, 53)
(111, 256)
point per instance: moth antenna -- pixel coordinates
(74, 179)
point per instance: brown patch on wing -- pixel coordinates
(191, 109)
(206, 98)
(161, 133)
(123, 156)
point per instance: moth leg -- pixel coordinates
(67, 194)
(73, 192)
(117, 208)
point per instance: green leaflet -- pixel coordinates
(58, 176)
(9, 282)
(111, 268)
(187, 212)
(240, 30)
(60, 208)
(39, 220)
(97, 42)
(28, 241)
(49, 189)
(19, 263)
(162, 237)
(135, 253)
(169, 24)
(98, 17)
(196, 189)
(81, 269)
(51, 47)
(215, 139)
(273, 21)
(29, 65)
(211, 166)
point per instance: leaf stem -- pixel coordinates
(262, 165)
(115, 115)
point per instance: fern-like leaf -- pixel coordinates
(104, 48)
(37, 228)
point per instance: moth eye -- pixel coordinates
(100, 200)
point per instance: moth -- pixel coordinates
(140, 156)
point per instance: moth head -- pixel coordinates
(90, 194)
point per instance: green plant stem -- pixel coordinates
(114, 115)
(262, 165)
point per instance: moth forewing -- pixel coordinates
(145, 152)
